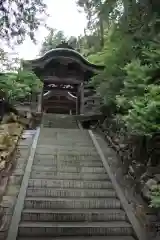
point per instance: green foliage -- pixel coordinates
(94, 10)
(134, 84)
(131, 55)
(140, 94)
(143, 117)
(155, 197)
(20, 18)
(116, 54)
(53, 39)
(128, 86)
(19, 85)
(30, 80)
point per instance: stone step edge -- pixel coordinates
(83, 181)
(81, 210)
(115, 224)
(36, 176)
(44, 184)
(76, 173)
(80, 238)
(72, 189)
(70, 198)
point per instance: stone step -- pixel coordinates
(68, 176)
(56, 136)
(73, 152)
(47, 151)
(64, 143)
(60, 125)
(70, 155)
(66, 121)
(70, 184)
(70, 192)
(77, 215)
(59, 133)
(60, 161)
(61, 146)
(58, 118)
(70, 169)
(72, 135)
(81, 238)
(62, 203)
(69, 163)
(61, 130)
(64, 136)
(43, 229)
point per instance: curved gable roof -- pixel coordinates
(63, 53)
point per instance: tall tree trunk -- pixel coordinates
(101, 31)
(101, 25)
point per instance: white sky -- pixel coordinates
(64, 16)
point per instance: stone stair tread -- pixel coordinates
(61, 160)
(78, 150)
(69, 192)
(86, 228)
(66, 166)
(82, 184)
(60, 167)
(58, 202)
(62, 145)
(81, 238)
(69, 176)
(73, 215)
(70, 153)
(81, 210)
(54, 164)
(71, 169)
(62, 198)
(115, 224)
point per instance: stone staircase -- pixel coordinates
(69, 194)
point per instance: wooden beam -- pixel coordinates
(58, 80)
(69, 87)
(58, 107)
(60, 92)
(61, 102)
(47, 88)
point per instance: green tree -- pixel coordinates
(53, 39)
(20, 18)
(19, 84)
(94, 13)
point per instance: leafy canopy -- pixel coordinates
(19, 84)
(19, 18)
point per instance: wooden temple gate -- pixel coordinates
(64, 73)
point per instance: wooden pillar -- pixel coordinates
(82, 99)
(77, 101)
(77, 105)
(40, 101)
